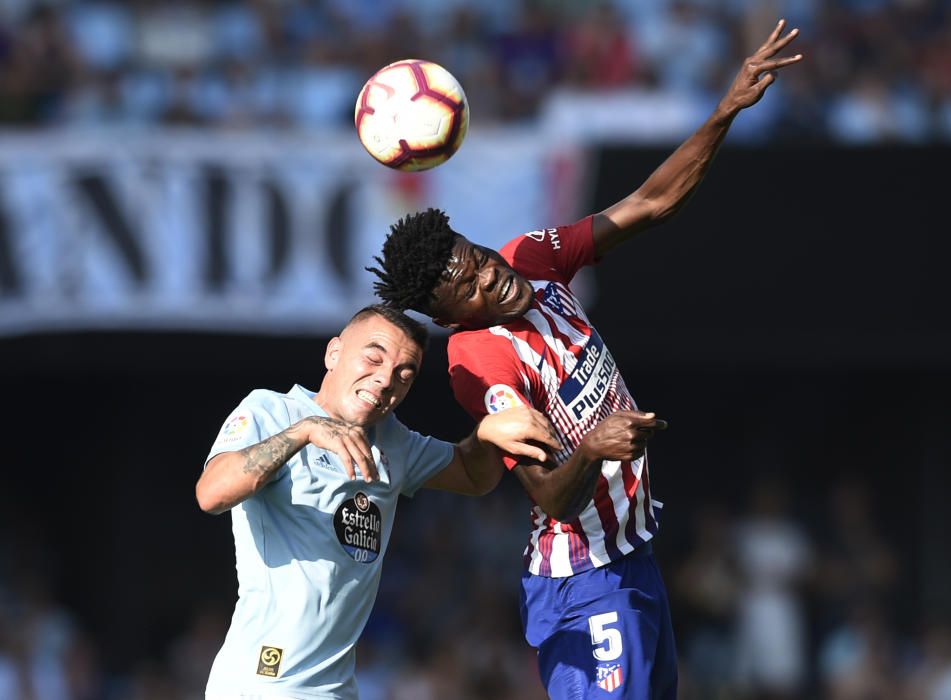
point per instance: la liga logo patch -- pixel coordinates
(235, 427)
(500, 397)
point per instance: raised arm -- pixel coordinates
(477, 466)
(669, 187)
(232, 477)
(564, 491)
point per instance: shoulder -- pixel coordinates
(389, 429)
(552, 253)
(265, 399)
(547, 239)
(465, 347)
(267, 403)
(395, 437)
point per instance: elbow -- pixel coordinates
(209, 500)
(557, 507)
(485, 485)
(565, 506)
(485, 488)
(564, 513)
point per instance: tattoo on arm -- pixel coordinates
(267, 456)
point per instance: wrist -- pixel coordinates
(482, 435)
(585, 453)
(724, 114)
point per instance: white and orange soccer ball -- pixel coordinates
(412, 115)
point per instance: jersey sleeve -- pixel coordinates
(553, 253)
(254, 419)
(425, 457)
(485, 380)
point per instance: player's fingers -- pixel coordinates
(525, 449)
(639, 418)
(777, 30)
(362, 456)
(344, 455)
(635, 415)
(545, 434)
(649, 424)
(773, 36)
(777, 63)
(358, 439)
(777, 43)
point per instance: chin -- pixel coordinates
(362, 418)
(523, 307)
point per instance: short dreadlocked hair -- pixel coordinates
(415, 255)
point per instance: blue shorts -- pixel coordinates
(604, 633)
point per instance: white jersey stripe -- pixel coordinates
(591, 523)
(640, 520)
(570, 332)
(526, 353)
(560, 557)
(545, 328)
(620, 502)
(538, 524)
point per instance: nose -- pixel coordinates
(488, 276)
(383, 377)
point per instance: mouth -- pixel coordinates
(369, 398)
(508, 289)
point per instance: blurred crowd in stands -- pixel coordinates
(765, 606)
(877, 70)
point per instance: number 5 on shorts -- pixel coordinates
(606, 640)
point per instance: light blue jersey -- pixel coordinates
(309, 550)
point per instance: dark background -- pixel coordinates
(793, 320)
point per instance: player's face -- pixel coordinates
(479, 289)
(371, 366)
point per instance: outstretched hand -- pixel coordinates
(757, 72)
(520, 430)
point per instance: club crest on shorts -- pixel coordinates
(269, 661)
(610, 677)
(359, 526)
(500, 397)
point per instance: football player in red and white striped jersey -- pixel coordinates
(593, 601)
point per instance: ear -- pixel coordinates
(332, 354)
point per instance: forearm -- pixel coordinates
(669, 187)
(482, 464)
(232, 477)
(564, 491)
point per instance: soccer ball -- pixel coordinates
(412, 115)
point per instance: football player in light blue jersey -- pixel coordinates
(312, 481)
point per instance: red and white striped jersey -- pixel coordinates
(554, 360)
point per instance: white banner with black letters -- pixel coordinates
(245, 232)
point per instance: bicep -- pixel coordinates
(453, 477)
(216, 466)
(532, 476)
